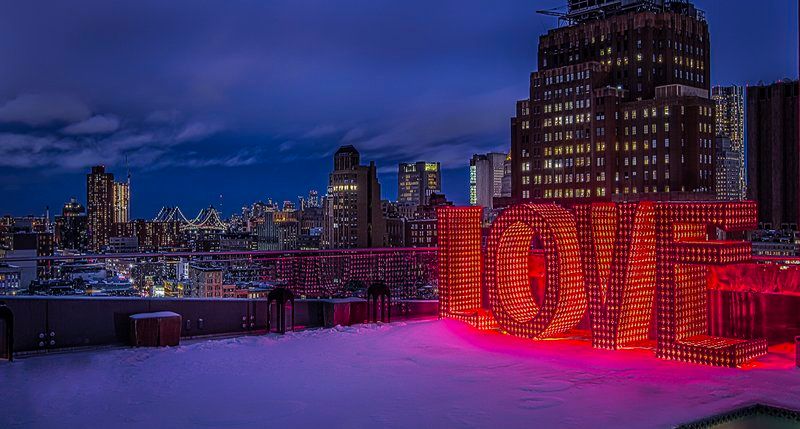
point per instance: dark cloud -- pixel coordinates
(43, 109)
(98, 124)
(197, 131)
(91, 142)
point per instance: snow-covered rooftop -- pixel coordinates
(420, 374)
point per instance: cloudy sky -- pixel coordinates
(249, 98)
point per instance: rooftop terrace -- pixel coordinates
(431, 373)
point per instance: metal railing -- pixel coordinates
(409, 272)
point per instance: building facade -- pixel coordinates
(311, 221)
(729, 118)
(71, 227)
(486, 173)
(28, 246)
(773, 153)
(728, 170)
(421, 233)
(206, 281)
(784, 243)
(266, 230)
(150, 235)
(395, 224)
(352, 211)
(99, 207)
(288, 233)
(505, 189)
(10, 277)
(417, 181)
(619, 108)
(233, 241)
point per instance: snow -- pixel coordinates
(417, 374)
(155, 315)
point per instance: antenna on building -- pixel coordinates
(128, 207)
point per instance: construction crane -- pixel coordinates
(552, 12)
(556, 12)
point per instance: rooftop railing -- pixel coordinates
(411, 273)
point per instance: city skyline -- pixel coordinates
(555, 213)
(246, 160)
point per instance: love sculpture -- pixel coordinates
(631, 272)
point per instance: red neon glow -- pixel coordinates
(562, 301)
(546, 265)
(752, 277)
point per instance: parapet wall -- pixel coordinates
(49, 323)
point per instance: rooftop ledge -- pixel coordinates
(433, 373)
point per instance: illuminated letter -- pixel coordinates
(562, 300)
(683, 252)
(460, 265)
(618, 252)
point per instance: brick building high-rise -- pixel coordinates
(729, 121)
(99, 207)
(773, 153)
(416, 182)
(352, 212)
(206, 281)
(619, 108)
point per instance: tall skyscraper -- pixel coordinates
(122, 201)
(416, 182)
(99, 206)
(267, 231)
(352, 211)
(505, 191)
(728, 169)
(486, 178)
(729, 102)
(620, 107)
(773, 153)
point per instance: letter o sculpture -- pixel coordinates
(510, 293)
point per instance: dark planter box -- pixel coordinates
(155, 329)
